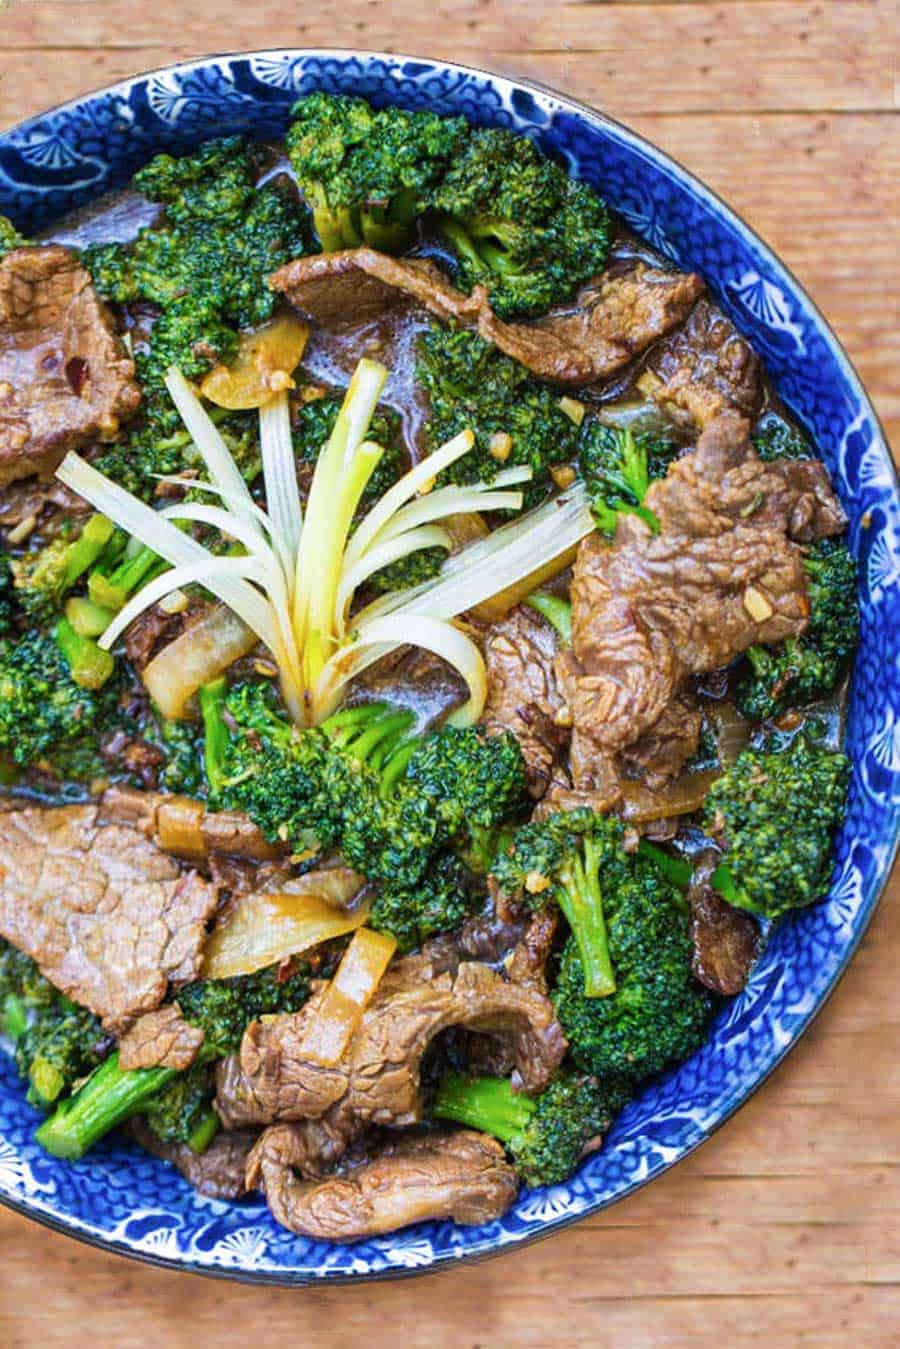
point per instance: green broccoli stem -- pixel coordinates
(87, 618)
(203, 1133)
(487, 1104)
(113, 591)
(581, 900)
(88, 547)
(108, 1098)
(558, 613)
(375, 735)
(677, 870)
(215, 733)
(89, 665)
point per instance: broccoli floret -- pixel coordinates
(804, 669)
(10, 237)
(223, 1008)
(60, 1045)
(118, 575)
(182, 744)
(156, 448)
(773, 438)
(368, 173)
(576, 860)
(437, 902)
(515, 419)
(182, 1111)
(545, 1135)
(477, 781)
(215, 182)
(618, 466)
(46, 718)
(657, 1014)
(348, 784)
(43, 578)
(518, 224)
(55, 1041)
(206, 266)
(776, 814)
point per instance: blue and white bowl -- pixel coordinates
(125, 1200)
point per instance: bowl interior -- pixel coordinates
(121, 1197)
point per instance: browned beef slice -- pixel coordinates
(219, 1172)
(612, 319)
(377, 1081)
(652, 609)
(337, 289)
(522, 693)
(65, 379)
(726, 942)
(108, 917)
(463, 1176)
(707, 368)
(184, 827)
(662, 751)
(160, 1039)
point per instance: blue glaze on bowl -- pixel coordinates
(122, 1198)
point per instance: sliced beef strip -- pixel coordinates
(185, 828)
(109, 917)
(219, 1172)
(523, 696)
(652, 609)
(463, 1177)
(160, 1039)
(706, 369)
(726, 940)
(65, 379)
(378, 1079)
(612, 319)
(358, 284)
(662, 751)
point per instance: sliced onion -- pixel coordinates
(262, 368)
(280, 476)
(382, 555)
(349, 993)
(383, 635)
(507, 556)
(682, 797)
(206, 436)
(196, 656)
(498, 606)
(267, 928)
(411, 483)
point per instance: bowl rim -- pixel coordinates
(713, 200)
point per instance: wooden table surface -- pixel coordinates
(784, 1229)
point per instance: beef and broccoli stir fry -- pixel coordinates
(423, 643)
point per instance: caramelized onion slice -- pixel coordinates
(682, 797)
(196, 656)
(267, 928)
(263, 366)
(499, 605)
(347, 996)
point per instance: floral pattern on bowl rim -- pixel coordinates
(127, 1201)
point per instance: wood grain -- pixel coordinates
(784, 1229)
